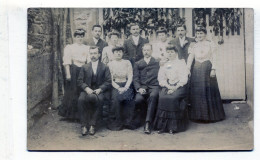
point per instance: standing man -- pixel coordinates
(182, 42)
(147, 85)
(133, 45)
(94, 79)
(96, 40)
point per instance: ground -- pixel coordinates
(234, 133)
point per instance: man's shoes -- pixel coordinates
(84, 131)
(171, 131)
(92, 130)
(147, 128)
(160, 131)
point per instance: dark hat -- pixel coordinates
(117, 48)
(161, 30)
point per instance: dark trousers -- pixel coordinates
(90, 107)
(151, 99)
(124, 110)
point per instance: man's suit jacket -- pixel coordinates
(103, 80)
(145, 75)
(101, 44)
(182, 51)
(133, 52)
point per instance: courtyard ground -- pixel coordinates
(234, 133)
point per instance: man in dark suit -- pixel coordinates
(146, 84)
(94, 79)
(182, 42)
(96, 40)
(133, 45)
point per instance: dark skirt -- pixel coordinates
(206, 104)
(172, 111)
(68, 108)
(123, 106)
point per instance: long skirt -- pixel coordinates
(206, 104)
(172, 111)
(68, 108)
(123, 105)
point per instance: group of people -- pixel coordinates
(160, 85)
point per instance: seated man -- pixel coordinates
(146, 84)
(94, 79)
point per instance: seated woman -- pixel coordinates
(206, 104)
(171, 114)
(75, 56)
(122, 94)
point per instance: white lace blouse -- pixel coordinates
(203, 51)
(77, 54)
(121, 71)
(173, 72)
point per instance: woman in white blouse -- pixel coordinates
(122, 93)
(75, 56)
(171, 114)
(205, 98)
(107, 54)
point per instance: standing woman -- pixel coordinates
(171, 114)
(206, 104)
(107, 54)
(122, 92)
(75, 56)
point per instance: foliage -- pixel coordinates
(149, 19)
(217, 17)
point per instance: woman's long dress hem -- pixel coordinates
(206, 104)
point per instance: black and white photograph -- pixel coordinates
(140, 79)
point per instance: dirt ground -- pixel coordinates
(231, 134)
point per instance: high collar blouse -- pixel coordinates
(77, 54)
(173, 72)
(121, 71)
(203, 51)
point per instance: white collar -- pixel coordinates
(136, 39)
(182, 39)
(95, 40)
(94, 66)
(147, 60)
(95, 63)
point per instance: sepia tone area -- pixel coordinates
(50, 30)
(232, 134)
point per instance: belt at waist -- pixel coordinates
(120, 80)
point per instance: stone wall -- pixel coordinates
(39, 61)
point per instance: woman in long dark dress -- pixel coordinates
(122, 92)
(206, 104)
(171, 115)
(75, 56)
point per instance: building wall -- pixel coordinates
(249, 54)
(39, 61)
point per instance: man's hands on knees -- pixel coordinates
(88, 90)
(142, 91)
(97, 91)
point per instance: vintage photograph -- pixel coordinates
(140, 79)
